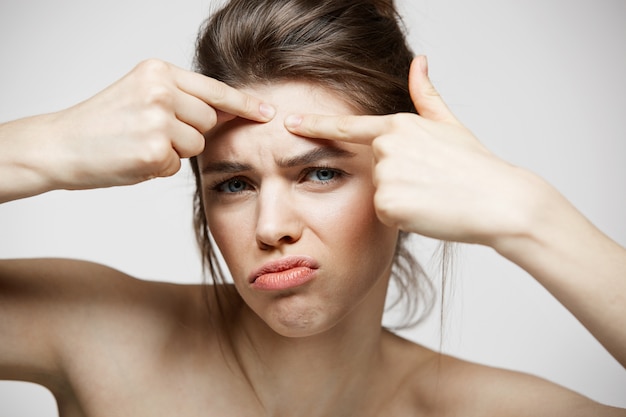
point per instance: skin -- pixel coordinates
(288, 210)
(505, 207)
(107, 344)
(139, 128)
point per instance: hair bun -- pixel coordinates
(386, 8)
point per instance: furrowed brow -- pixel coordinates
(307, 158)
(225, 167)
(315, 155)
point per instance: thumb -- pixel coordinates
(426, 99)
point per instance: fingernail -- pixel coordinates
(293, 120)
(425, 65)
(267, 110)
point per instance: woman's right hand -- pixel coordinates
(136, 129)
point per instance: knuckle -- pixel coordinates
(156, 122)
(159, 95)
(218, 91)
(384, 207)
(156, 152)
(249, 104)
(377, 178)
(154, 83)
(383, 146)
(384, 169)
(431, 92)
(209, 120)
(197, 145)
(170, 168)
(193, 145)
(389, 209)
(400, 119)
(310, 125)
(153, 66)
(344, 126)
(378, 147)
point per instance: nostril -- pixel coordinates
(287, 239)
(263, 245)
(267, 245)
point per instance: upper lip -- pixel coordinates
(283, 264)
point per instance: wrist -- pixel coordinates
(545, 225)
(55, 163)
(29, 161)
(537, 214)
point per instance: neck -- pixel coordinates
(313, 375)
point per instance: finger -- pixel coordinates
(354, 129)
(170, 167)
(186, 140)
(426, 99)
(194, 112)
(223, 97)
(223, 117)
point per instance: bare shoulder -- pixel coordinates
(100, 339)
(442, 385)
(62, 317)
(83, 285)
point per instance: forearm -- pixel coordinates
(581, 266)
(26, 157)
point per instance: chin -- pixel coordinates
(296, 319)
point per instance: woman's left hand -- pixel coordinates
(432, 175)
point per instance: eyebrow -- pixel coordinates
(315, 155)
(307, 158)
(226, 167)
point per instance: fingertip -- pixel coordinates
(293, 121)
(422, 61)
(267, 110)
(426, 98)
(419, 69)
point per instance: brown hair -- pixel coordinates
(355, 48)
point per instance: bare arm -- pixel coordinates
(57, 314)
(22, 163)
(41, 307)
(581, 266)
(136, 129)
(434, 178)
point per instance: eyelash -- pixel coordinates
(337, 174)
(218, 186)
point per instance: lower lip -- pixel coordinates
(284, 280)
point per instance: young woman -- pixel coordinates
(308, 194)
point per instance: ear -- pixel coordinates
(426, 99)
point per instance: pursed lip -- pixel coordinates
(283, 264)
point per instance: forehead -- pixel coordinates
(238, 135)
(296, 97)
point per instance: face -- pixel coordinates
(294, 217)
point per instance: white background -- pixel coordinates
(542, 83)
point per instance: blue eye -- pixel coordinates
(322, 174)
(234, 185)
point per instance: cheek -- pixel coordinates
(341, 226)
(352, 233)
(233, 233)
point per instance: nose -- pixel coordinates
(278, 220)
